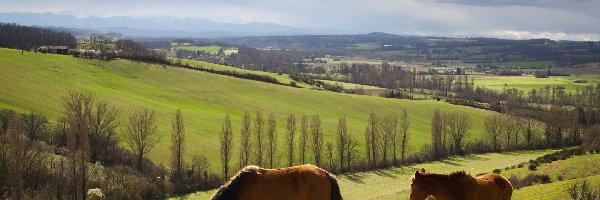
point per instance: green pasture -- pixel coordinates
(394, 183)
(528, 83)
(36, 82)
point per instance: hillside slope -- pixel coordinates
(37, 82)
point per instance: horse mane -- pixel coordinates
(458, 175)
(231, 188)
(454, 176)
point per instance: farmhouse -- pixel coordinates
(54, 49)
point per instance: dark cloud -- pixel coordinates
(568, 19)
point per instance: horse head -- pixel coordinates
(418, 189)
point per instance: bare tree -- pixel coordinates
(103, 125)
(591, 139)
(493, 130)
(368, 152)
(372, 138)
(291, 126)
(226, 145)
(34, 125)
(245, 141)
(330, 157)
(272, 137)
(462, 123)
(17, 159)
(141, 134)
(77, 109)
(436, 133)
(317, 139)
(6, 116)
(386, 130)
(258, 129)
(342, 139)
(404, 124)
(303, 138)
(178, 145)
(352, 153)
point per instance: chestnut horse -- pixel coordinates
(298, 182)
(459, 186)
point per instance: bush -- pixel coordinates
(543, 179)
(526, 181)
(497, 171)
(533, 166)
(95, 194)
(520, 165)
(513, 180)
(583, 191)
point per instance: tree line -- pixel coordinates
(304, 143)
(27, 38)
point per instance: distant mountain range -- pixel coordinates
(157, 26)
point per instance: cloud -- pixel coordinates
(529, 18)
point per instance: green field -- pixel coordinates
(37, 82)
(351, 85)
(526, 65)
(395, 183)
(552, 191)
(530, 82)
(572, 170)
(212, 49)
(282, 78)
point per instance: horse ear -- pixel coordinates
(422, 170)
(417, 174)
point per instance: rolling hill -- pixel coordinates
(37, 82)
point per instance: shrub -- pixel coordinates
(513, 180)
(583, 191)
(497, 171)
(95, 194)
(526, 181)
(533, 166)
(544, 178)
(520, 165)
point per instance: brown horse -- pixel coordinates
(459, 186)
(298, 182)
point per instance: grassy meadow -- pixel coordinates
(37, 82)
(572, 170)
(528, 83)
(282, 78)
(394, 183)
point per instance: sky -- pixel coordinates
(520, 19)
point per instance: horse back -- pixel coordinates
(498, 183)
(299, 182)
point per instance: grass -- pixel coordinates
(575, 167)
(282, 78)
(394, 183)
(212, 49)
(527, 64)
(351, 85)
(528, 83)
(551, 191)
(572, 170)
(37, 82)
